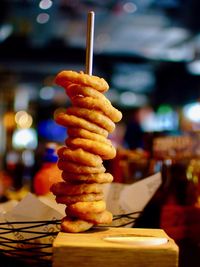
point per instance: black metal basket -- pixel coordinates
(34, 249)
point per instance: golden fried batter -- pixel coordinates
(63, 188)
(92, 116)
(79, 156)
(103, 150)
(68, 200)
(74, 225)
(75, 89)
(66, 76)
(100, 178)
(104, 217)
(85, 207)
(77, 168)
(98, 104)
(79, 132)
(73, 121)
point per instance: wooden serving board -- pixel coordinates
(115, 247)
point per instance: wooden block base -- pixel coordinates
(130, 247)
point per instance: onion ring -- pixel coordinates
(100, 178)
(104, 217)
(78, 132)
(68, 200)
(71, 120)
(66, 76)
(63, 188)
(79, 156)
(74, 89)
(85, 207)
(98, 104)
(70, 225)
(103, 150)
(92, 116)
(77, 168)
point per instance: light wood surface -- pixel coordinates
(91, 249)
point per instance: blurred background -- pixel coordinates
(149, 53)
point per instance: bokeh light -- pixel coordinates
(23, 119)
(9, 120)
(25, 139)
(192, 112)
(45, 4)
(129, 7)
(47, 93)
(43, 18)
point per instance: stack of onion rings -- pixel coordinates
(88, 121)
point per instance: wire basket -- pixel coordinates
(26, 242)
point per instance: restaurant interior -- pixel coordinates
(149, 53)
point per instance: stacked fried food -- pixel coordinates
(89, 120)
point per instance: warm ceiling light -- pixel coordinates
(23, 119)
(9, 120)
(19, 114)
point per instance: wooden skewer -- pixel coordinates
(89, 43)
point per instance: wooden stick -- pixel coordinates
(89, 43)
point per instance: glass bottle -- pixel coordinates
(48, 173)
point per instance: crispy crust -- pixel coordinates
(92, 116)
(73, 121)
(68, 200)
(100, 178)
(64, 77)
(104, 217)
(73, 90)
(83, 133)
(70, 225)
(103, 150)
(79, 156)
(73, 167)
(98, 104)
(85, 207)
(63, 188)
